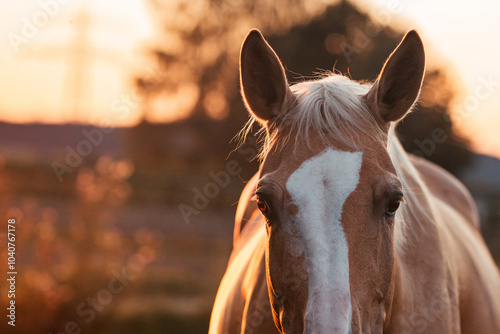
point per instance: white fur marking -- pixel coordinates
(319, 188)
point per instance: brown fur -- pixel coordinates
(441, 279)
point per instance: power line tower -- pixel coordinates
(77, 82)
(79, 55)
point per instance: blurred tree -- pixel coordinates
(197, 64)
(348, 39)
(200, 45)
(429, 131)
(196, 79)
(65, 261)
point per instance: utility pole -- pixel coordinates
(79, 55)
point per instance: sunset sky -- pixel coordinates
(465, 34)
(37, 58)
(35, 55)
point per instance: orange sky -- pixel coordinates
(35, 84)
(36, 59)
(465, 34)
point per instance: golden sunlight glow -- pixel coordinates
(66, 61)
(465, 34)
(215, 105)
(73, 61)
(173, 106)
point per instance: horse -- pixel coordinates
(341, 230)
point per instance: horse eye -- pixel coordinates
(393, 205)
(263, 207)
(392, 208)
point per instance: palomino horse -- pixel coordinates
(341, 231)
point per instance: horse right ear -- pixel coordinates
(263, 82)
(399, 82)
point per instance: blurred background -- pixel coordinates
(116, 127)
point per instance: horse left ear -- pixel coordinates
(263, 81)
(400, 80)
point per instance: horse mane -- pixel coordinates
(334, 104)
(415, 191)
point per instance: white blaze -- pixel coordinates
(319, 188)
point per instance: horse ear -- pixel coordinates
(263, 82)
(400, 80)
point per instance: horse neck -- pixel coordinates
(417, 232)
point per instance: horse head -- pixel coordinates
(328, 190)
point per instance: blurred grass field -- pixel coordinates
(68, 251)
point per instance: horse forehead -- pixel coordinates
(333, 171)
